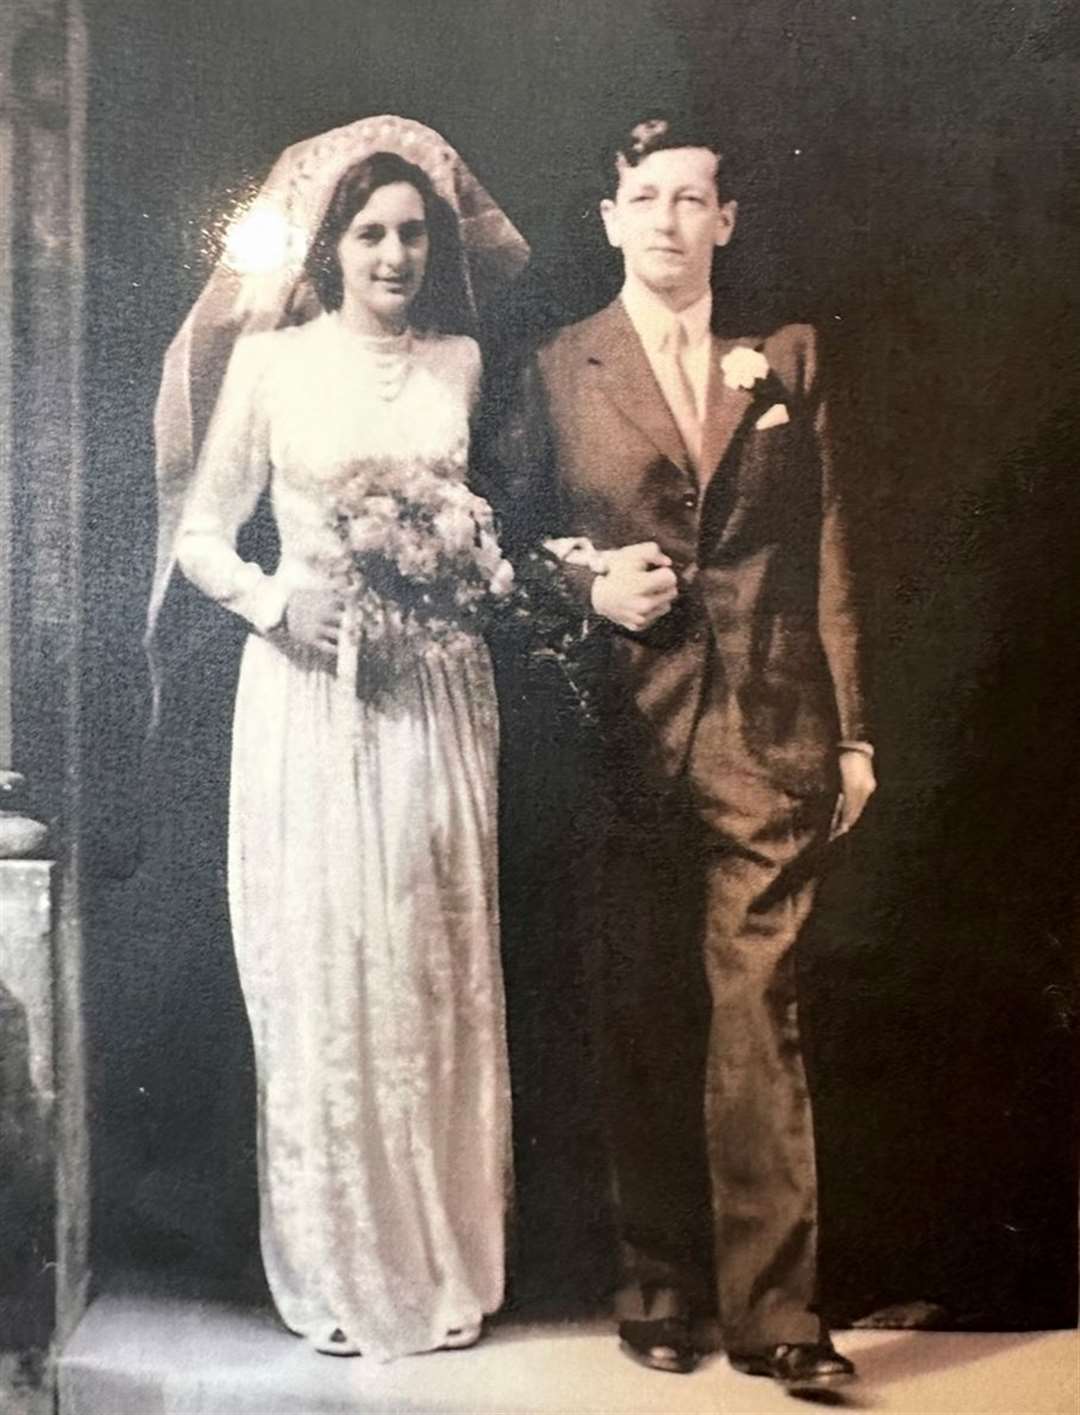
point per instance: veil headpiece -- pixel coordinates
(247, 296)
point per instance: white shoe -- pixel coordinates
(458, 1338)
(336, 1343)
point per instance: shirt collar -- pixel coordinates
(654, 322)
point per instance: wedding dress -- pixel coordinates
(362, 863)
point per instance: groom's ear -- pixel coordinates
(609, 215)
(725, 222)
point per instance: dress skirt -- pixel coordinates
(363, 894)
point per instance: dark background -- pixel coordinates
(908, 181)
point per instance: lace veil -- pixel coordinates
(270, 289)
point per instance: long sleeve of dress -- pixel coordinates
(234, 467)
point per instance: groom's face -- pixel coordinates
(667, 220)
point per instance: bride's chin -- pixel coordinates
(394, 316)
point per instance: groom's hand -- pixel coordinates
(638, 588)
(857, 785)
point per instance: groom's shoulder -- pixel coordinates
(792, 340)
(792, 350)
(571, 342)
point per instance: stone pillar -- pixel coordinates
(44, 1171)
(27, 1114)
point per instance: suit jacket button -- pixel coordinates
(690, 500)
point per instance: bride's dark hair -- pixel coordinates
(442, 302)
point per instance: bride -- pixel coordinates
(362, 828)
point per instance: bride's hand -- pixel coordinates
(313, 618)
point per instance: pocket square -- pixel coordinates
(776, 416)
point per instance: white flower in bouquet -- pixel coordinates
(502, 582)
(455, 530)
(366, 533)
(493, 567)
(456, 493)
(385, 508)
(417, 560)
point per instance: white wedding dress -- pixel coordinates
(362, 865)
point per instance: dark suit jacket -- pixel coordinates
(757, 663)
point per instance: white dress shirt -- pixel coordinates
(655, 325)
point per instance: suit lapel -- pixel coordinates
(724, 411)
(628, 380)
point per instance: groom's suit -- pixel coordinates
(723, 727)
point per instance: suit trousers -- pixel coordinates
(709, 882)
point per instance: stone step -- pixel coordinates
(153, 1355)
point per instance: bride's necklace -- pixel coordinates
(389, 358)
(392, 360)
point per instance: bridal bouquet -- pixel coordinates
(423, 562)
(427, 574)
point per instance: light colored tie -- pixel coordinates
(679, 391)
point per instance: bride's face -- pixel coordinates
(383, 256)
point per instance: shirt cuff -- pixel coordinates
(866, 748)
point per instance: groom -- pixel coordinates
(736, 744)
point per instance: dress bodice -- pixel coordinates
(304, 411)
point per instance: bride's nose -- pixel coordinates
(392, 250)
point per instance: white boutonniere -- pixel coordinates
(743, 367)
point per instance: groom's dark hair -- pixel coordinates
(654, 133)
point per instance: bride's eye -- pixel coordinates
(370, 235)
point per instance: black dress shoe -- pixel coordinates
(662, 1345)
(796, 1365)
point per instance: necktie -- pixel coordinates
(680, 391)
